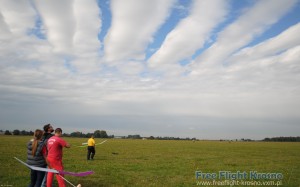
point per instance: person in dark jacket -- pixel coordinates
(48, 130)
(37, 159)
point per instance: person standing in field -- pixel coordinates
(48, 130)
(55, 153)
(91, 148)
(36, 158)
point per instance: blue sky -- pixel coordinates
(206, 69)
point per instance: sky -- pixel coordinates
(209, 69)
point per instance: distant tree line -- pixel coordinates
(283, 139)
(103, 134)
(137, 136)
(17, 132)
(169, 138)
(97, 133)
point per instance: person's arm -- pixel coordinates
(64, 143)
(68, 145)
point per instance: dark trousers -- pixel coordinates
(36, 178)
(91, 152)
(44, 180)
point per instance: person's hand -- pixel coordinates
(68, 145)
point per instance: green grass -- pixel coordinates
(157, 162)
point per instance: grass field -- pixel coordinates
(120, 162)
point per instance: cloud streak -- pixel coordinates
(273, 46)
(249, 25)
(133, 26)
(191, 33)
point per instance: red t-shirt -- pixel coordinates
(55, 145)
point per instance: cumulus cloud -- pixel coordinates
(250, 24)
(133, 26)
(18, 17)
(191, 33)
(273, 46)
(88, 25)
(59, 22)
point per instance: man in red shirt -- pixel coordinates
(55, 145)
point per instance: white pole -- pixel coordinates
(69, 182)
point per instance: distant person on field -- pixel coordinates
(55, 153)
(35, 158)
(48, 130)
(91, 148)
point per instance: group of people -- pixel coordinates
(46, 150)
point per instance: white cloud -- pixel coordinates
(191, 33)
(88, 25)
(4, 29)
(72, 29)
(59, 22)
(19, 16)
(273, 46)
(252, 23)
(133, 26)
